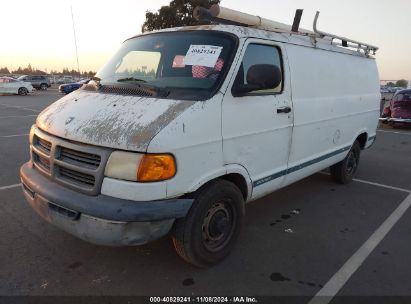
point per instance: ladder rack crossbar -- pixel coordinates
(345, 42)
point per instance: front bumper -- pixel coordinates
(100, 219)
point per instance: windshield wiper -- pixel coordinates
(154, 89)
(143, 85)
(130, 79)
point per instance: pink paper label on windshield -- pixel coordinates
(178, 61)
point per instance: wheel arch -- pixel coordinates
(239, 181)
(234, 173)
(362, 139)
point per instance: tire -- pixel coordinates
(209, 231)
(23, 91)
(344, 171)
(43, 87)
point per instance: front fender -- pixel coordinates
(227, 169)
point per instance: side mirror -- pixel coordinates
(259, 77)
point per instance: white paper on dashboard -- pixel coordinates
(203, 55)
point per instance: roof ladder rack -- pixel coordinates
(345, 42)
(218, 14)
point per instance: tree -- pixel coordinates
(4, 70)
(390, 84)
(401, 83)
(177, 13)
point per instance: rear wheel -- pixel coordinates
(43, 87)
(23, 91)
(209, 231)
(344, 171)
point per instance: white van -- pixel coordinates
(184, 126)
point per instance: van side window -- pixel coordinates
(259, 54)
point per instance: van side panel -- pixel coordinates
(336, 98)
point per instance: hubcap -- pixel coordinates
(218, 226)
(352, 163)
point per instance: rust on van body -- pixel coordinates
(120, 122)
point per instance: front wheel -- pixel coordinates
(344, 171)
(43, 87)
(209, 231)
(23, 91)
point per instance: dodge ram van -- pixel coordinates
(184, 126)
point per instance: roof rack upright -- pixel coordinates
(224, 15)
(219, 14)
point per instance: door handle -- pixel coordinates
(284, 110)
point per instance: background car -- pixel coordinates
(70, 87)
(39, 82)
(399, 109)
(65, 79)
(10, 85)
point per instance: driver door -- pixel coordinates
(257, 127)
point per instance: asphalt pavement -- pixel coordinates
(313, 237)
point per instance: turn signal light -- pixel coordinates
(156, 167)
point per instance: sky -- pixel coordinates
(40, 32)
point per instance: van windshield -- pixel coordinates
(189, 65)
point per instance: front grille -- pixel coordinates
(79, 158)
(42, 144)
(43, 163)
(77, 166)
(77, 177)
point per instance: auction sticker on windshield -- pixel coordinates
(203, 55)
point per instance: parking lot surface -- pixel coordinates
(313, 237)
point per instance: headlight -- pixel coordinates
(123, 165)
(140, 167)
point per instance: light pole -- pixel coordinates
(75, 42)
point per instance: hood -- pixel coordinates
(115, 121)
